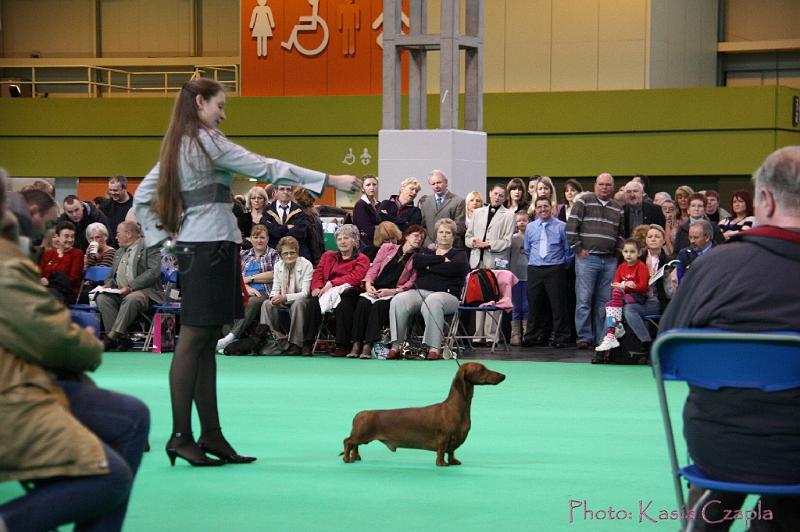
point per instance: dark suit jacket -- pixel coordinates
(277, 230)
(682, 236)
(147, 271)
(453, 207)
(651, 214)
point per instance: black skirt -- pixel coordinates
(208, 275)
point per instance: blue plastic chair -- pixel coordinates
(714, 359)
(95, 274)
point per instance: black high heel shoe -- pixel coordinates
(173, 452)
(230, 457)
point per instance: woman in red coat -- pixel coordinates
(62, 265)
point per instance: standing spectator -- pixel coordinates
(316, 236)
(391, 273)
(489, 238)
(473, 202)
(645, 182)
(700, 242)
(697, 211)
(532, 182)
(571, 190)
(285, 217)
(545, 189)
(661, 197)
(714, 212)
(136, 272)
(519, 267)
(682, 194)
(742, 218)
(257, 274)
(365, 211)
(399, 208)
(517, 198)
(595, 231)
(119, 203)
(288, 306)
(748, 435)
(549, 253)
(669, 210)
(335, 286)
(62, 266)
(81, 214)
(440, 279)
(638, 211)
(255, 209)
(442, 204)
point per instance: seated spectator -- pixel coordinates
(98, 253)
(571, 189)
(714, 212)
(385, 233)
(255, 207)
(76, 446)
(365, 211)
(400, 208)
(62, 265)
(391, 273)
(136, 273)
(742, 218)
(473, 202)
(440, 280)
(289, 303)
(257, 265)
(697, 211)
(82, 214)
(700, 242)
(629, 287)
(335, 286)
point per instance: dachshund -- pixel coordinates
(442, 427)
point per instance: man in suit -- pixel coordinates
(284, 217)
(442, 204)
(637, 211)
(489, 238)
(136, 272)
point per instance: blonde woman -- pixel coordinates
(682, 195)
(400, 208)
(256, 203)
(473, 201)
(545, 188)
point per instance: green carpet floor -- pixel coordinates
(550, 434)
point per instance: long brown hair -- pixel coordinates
(184, 122)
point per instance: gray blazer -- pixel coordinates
(453, 207)
(147, 272)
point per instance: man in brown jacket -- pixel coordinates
(66, 439)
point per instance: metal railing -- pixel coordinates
(103, 81)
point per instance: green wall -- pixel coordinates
(669, 132)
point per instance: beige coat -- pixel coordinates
(498, 235)
(39, 437)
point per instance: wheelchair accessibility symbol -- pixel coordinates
(308, 24)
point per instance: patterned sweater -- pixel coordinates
(595, 227)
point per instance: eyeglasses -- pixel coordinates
(288, 253)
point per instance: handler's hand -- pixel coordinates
(345, 183)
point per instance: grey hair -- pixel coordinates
(133, 227)
(413, 181)
(780, 174)
(708, 231)
(437, 172)
(664, 195)
(348, 230)
(96, 226)
(445, 221)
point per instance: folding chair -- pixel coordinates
(713, 359)
(455, 341)
(95, 274)
(170, 280)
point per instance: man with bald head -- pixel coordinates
(748, 284)
(594, 229)
(442, 204)
(638, 211)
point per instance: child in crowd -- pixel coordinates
(630, 285)
(519, 267)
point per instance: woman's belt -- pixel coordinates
(213, 193)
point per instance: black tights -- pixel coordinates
(193, 376)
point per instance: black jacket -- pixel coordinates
(651, 214)
(277, 230)
(91, 215)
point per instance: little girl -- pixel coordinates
(519, 267)
(630, 285)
